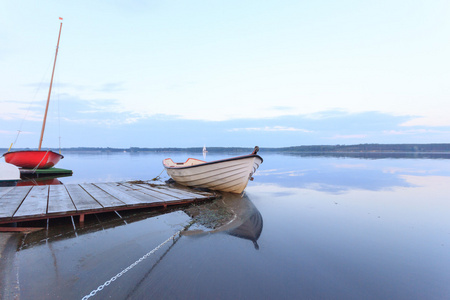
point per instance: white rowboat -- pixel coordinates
(9, 174)
(227, 175)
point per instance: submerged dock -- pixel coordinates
(29, 203)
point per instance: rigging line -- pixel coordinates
(58, 93)
(32, 101)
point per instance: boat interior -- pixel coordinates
(168, 162)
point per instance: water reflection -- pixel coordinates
(334, 228)
(79, 258)
(342, 174)
(50, 180)
(62, 229)
(231, 214)
(234, 215)
(376, 155)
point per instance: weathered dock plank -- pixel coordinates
(160, 197)
(134, 191)
(11, 200)
(35, 203)
(59, 200)
(82, 200)
(19, 204)
(181, 192)
(177, 196)
(112, 189)
(105, 199)
(5, 189)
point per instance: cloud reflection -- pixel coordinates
(338, 175)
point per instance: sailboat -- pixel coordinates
(37, 159)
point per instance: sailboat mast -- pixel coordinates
(49, 90)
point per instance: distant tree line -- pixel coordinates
(360, 148)
(367, 148)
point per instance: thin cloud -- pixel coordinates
(282, 108)
(271, 129)
(111, 87)
(349, 136)
(7, 132)
(329, 114)
(435, 121)
(411, 131)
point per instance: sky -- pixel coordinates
(225, 73)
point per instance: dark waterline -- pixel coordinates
(307, 228)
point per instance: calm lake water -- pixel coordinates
(307, 228)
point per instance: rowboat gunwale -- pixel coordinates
(179, 167)
(6, 153)
(29, 159)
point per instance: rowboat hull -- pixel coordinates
(32, 159)
(227, 175)
(9, 174)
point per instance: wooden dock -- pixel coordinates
(28, 203)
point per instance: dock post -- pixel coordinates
(82, 219)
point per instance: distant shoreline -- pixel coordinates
(442, 148)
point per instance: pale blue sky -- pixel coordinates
(226, 73)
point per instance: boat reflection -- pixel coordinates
(236, 216)
(67, 228)
(233, 214)
(30, 178)
(39, 181)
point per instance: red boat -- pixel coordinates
(37, 159)
(33, 159)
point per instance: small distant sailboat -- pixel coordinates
(227, 175)
(37, 159)
(204, 152)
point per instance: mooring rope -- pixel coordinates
(37, 166)
(108, 282)
(157, 177)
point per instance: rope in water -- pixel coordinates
(157, 177)
(101, 287)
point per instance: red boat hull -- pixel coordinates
(32, 159)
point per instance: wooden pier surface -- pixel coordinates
(26, 203)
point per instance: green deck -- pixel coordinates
(45, 172)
